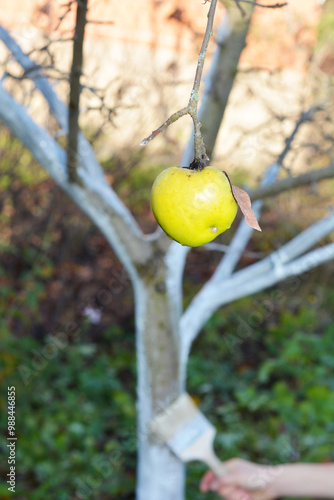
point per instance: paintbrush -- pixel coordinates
(188, 433)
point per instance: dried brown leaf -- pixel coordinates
(244, 202)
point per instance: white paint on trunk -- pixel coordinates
(160, 475)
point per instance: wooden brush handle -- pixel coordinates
(202, 449)
(216, 465)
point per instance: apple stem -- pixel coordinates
(197, 164)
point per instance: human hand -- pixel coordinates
(243, 481)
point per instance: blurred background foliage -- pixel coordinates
(262, 371)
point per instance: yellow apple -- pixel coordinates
(193, 206)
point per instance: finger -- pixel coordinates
(233, 493)
(241, 494)
(235, 464)
(226, 492)
(206, 481)
(230, 478)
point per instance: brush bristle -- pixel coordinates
(187, 432)
(194, 430)
(175, 417)
(181, 424)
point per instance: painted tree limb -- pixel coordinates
(75, 91)
(269, 271)
(175, 260)
(95, 197)
(232, 291)
(277, 273)
(290, 251)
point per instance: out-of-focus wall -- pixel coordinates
(146, 57)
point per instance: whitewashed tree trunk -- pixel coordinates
(161, 377)
(160, 474)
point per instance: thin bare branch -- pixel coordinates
(173, 118)
(104, 23)
(68, 7)
(292, 183)
(242, 12)
(306, 116)
(257, 4)
(75, 89)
